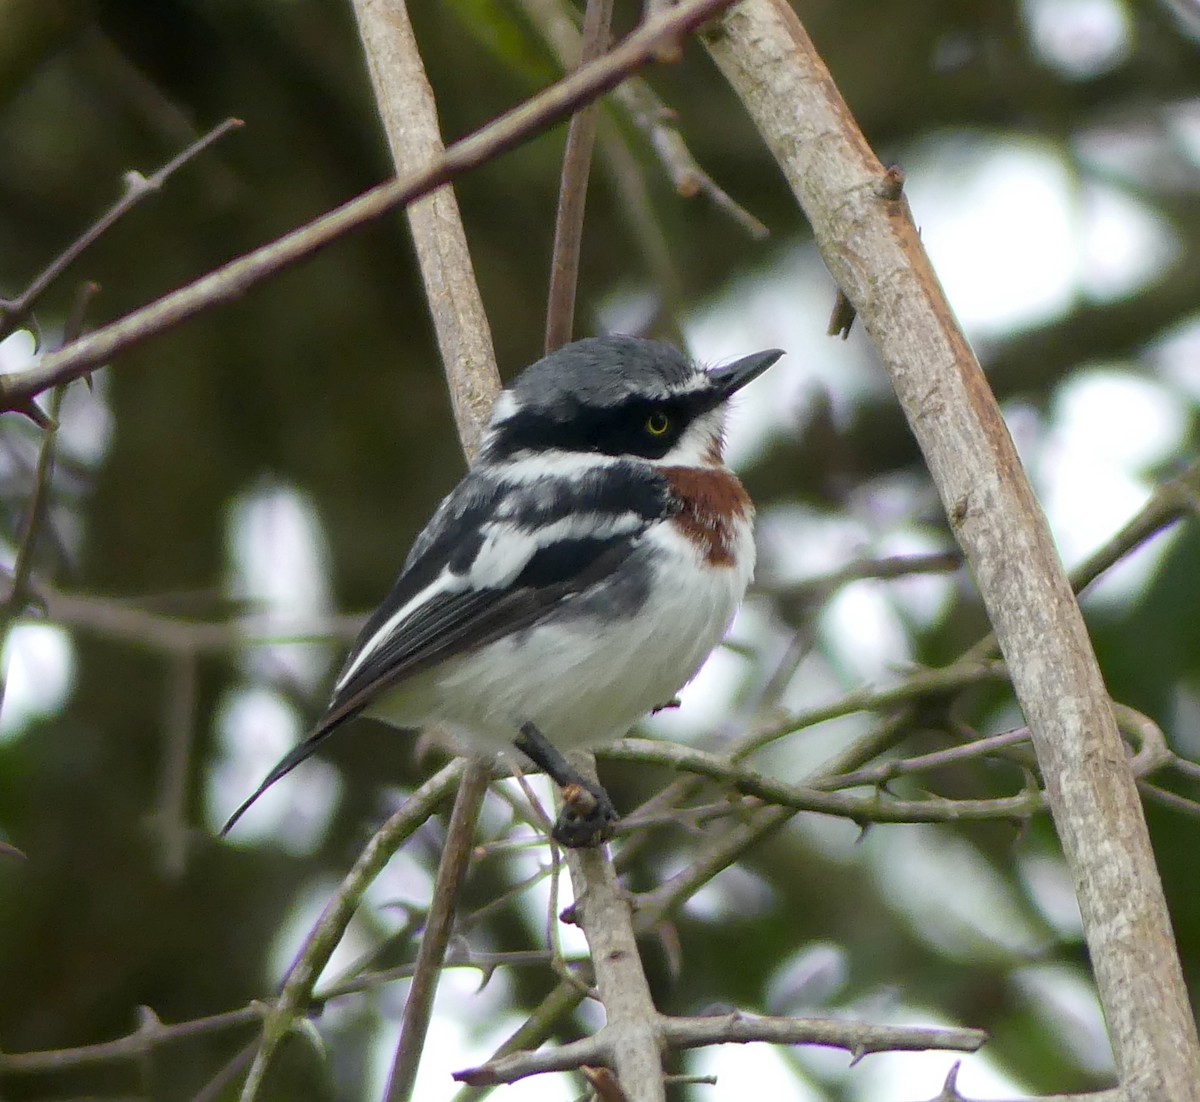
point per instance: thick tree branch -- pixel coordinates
(409, 113)
(872, 248)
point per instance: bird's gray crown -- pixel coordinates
(617, 396)
(602, 372)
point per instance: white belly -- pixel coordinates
(582, 682)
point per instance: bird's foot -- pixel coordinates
(588, 816)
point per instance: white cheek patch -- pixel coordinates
(700, 442)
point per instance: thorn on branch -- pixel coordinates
(841, 319)
(137, 186)
(949, 1092)
(891, 184)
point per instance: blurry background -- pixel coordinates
(264, 468)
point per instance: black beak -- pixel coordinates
(732, 377)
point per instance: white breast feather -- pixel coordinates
(579, 684)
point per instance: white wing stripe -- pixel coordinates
(443, 583)
(509, 545)
(507, 548)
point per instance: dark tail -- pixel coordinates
(289, 761)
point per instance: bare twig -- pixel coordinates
(878, 808)
(325, 935)
(629, 1039)
(149, 1035)
(457, 956)
(170, 819)
(857, 1038)
(230, 282)
(647, 112)
(811, 590)
(572, 194)
(227, 1074)
(1150, 755)
(950, 1093)
(137, 187)
(918, 686)
(871, 245)
(1173, 500)
(125, 621)
(456, 858)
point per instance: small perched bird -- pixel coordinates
(575, 579)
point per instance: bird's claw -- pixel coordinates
(587, 818)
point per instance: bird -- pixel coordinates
(575, 579)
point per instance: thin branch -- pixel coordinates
(179, 728)
(124, 620)
(878, 808)
(857, 1038)
(231, 281)
(917, 687)
(630, 1040)
(36, 513)
(227, 1074)
(452, 871)
(1152, 753)
(38, 509)
(149, 1035)
(137, 187)
(327, 933)
(950, 1093)
(409, 111)
(1171, 501)
(647, 112)
(572, 193)
(456, 956)
(811, 590)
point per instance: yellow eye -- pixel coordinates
(657, 424)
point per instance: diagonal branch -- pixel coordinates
(409, 114)
(871, 245)
(231, 281)
(137, 188)
(327, 933)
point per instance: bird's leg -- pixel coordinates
(588, 815)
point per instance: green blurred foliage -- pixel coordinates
(327, 379)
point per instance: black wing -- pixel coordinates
(454, 621)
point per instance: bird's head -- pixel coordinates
(619, 396)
